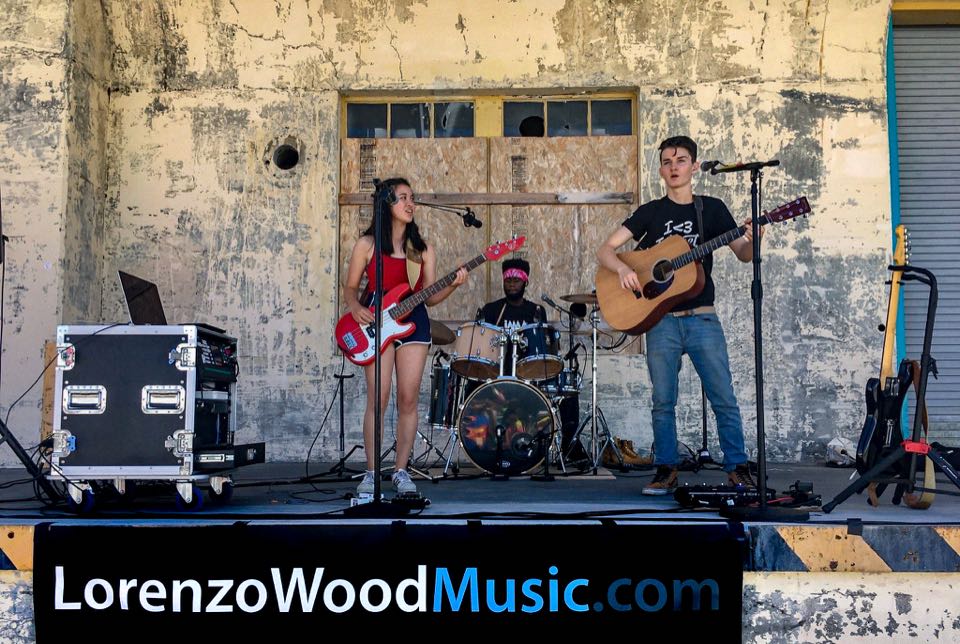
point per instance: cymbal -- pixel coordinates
(580, 298)
(440, 333)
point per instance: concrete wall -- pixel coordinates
(199, 92)
(34, 72)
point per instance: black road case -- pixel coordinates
(140, 402)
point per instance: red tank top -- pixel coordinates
(394, 274)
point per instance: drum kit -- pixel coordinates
(497, 393)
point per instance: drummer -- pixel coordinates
(513, 309)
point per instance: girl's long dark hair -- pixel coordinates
(411, 236)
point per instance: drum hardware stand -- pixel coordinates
(596, 414)
(545, 476)
(340, 469)
(493, 475)
(410, 467)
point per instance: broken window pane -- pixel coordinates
(525, 113)
(567, 118)
(409, 120)
(454, 119)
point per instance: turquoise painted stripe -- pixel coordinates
(894, 143)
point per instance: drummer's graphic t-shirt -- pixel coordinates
(511, 315)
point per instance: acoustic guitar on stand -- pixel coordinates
(669, 273)
(357, 342)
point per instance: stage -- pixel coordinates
(825, 577)
(294, 492)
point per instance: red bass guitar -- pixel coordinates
(357, 342)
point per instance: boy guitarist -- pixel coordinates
(692, 327)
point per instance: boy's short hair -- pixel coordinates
(684, 142)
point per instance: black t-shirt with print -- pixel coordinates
(656, 220)
(526, 313)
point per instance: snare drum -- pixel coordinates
(538, 353)
(477, 351)
(568, 382)
(445, 393)
(505, 426)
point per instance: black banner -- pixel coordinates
(127, 583)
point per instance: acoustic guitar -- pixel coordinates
(357, 342)
(669, 273)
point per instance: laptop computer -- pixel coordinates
(143, 300)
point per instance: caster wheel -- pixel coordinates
(195, 504)
(85, 506)
(226, 493)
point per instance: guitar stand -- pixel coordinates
(892, 469)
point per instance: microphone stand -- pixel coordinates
(382, 198)
(763, 512)
(467, 215)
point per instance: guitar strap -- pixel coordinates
(414, 266)
(925, 499)
(698, 204)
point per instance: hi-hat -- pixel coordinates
(580, 298)
(440, 333)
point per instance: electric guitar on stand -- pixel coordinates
(882, 432)
(357, 342)
(669, 273)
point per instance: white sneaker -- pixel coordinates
(402, 483)
(366, 485)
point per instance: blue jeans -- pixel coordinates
(700, 337)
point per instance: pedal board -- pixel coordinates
(362, 499)
(718, 496)
(411, 500)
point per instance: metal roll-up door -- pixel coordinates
(927, 69)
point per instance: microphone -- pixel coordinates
(385, 192)
(716, 167)
(545, 298)
(469, 219)
(572, 352)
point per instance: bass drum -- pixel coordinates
(505, 427)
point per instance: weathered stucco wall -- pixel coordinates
(33, 180)
(88, 54)
(200, 90)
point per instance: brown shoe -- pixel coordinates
(664, 481)
(741, 476)
(630, 456)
